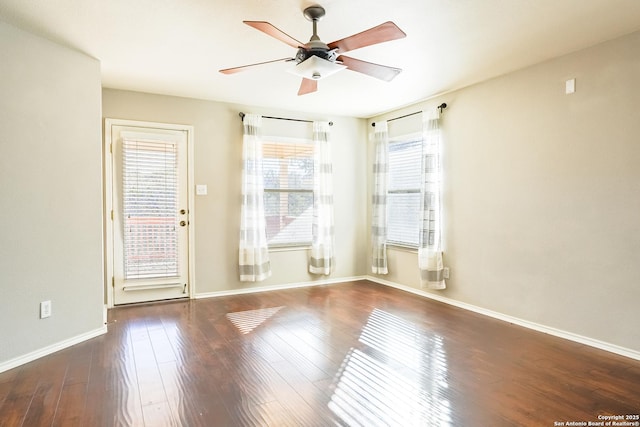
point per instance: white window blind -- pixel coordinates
(288, 191)
(403, 204)
(150, 208)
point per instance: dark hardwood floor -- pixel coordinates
(356, 354)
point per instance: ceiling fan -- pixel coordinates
(316, 60)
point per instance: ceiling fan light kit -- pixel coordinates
(316, 68)
(316, 60)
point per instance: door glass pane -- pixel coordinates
(150, 209)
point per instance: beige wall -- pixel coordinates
(50, 193)
(218, 153)
(542, 194)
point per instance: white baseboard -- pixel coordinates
(602, 345)
(329, 281)
(61, 345)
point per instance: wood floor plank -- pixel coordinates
(159, 414)
(294, 353)
(71, 405)
(44, 403)
(148, 378)
(349, 354)
(162, 348)
(79, 365)
(33, 399)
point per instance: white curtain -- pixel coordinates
(322, 256)
(254, 254)
(379, 199)
(430, 243)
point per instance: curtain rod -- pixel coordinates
(440, 107)
(241, 114)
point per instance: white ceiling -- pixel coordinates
(176, 47)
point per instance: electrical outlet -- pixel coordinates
(45, 309)
(445, 272)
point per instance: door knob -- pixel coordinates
(182, 212)
(183, 223)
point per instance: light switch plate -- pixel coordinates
(45, 309)
(201, 189)
(570, 86)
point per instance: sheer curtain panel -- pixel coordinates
(254, 261)
(322, 256)
(430, 237)
(379, 199)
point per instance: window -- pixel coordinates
(405, 163)
(150, 208)
(288, 191)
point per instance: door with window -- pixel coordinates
(150, 211)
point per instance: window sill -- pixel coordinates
(289, 248)
(401, 248)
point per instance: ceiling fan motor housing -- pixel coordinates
(321, 51)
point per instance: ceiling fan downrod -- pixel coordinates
(315, 46)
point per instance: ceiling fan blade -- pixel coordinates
(308, 86)
(378, 71)
(274, 32)
(382, 33)
(244, 67)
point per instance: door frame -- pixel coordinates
(108, 228)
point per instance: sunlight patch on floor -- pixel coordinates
(247, 321)
(398, 379)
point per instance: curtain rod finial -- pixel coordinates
(442, 107)
(241, 114)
